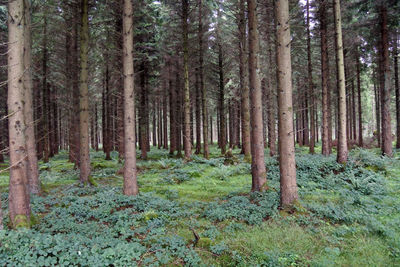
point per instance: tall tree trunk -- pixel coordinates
(377, 110)
(84, 96)
(310, 84)
(397, 86)
(45, 94)
(244, 89)
(360, 129)
(33, 170)
(186, 122)
(198, 113)
(342, 138)
(326, 148)
(172, 114)
(221, 99)
(287, 162)
(258, 170)
(165, 117)
(19, 203)
(353, 110)
(143, 113)
(385, 83)
(130, 180)
(75, 79)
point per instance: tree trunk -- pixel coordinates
(385, 83)
(287, 163)
(342, 138)
(258, 170)
(360, 129)
(397, 86)
(244, 89)
(165, 117)
(45, 94)
(84, 96)
(326, 148)
(172, 114)
(19, 203)
(221, 100)
(143, 113)
(198, 113)
(186, 122)
(33, 170)
(130, 180)
(310, 84)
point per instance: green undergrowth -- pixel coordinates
(201, 213)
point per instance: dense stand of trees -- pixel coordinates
(122, 75)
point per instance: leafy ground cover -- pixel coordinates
(202, 214)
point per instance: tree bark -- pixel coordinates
(198, 113)
(385, 83)
(172, 114)
(130, 179)
(84, 96)
(186, 136)
(326, 147)
(45, 96)
(258, 170)
(310, 84)
(244, 89)
(33, 170)
(287, 162)
(342, 151)
(19, 203)
(360, 129)
(397, 86)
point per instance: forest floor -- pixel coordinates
(202, 213)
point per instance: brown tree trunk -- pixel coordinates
(198, 114)
(397, 86)
(143, 113)
(130, 180)
(172, 114)
(310, 84)
(186, 100)
(203, 89)
(221, 99)
(19, 203)
(244, 89)
(326, 147)
(32, 168)
(165, 117)
(385, 83)
(377, 111)
(258, 170)
(287, 162)
(360, 129)
(342, 138)
(84, 156)
(45, 96)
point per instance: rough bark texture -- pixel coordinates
(244, 89)
(326, 148)
(385, 83)
(172, 113)
(18, 204)
(45, 96)
(342, 151)
(397, 86)
(287, 163)
(258, 170)
(186, 91)
(84, 96)
(130, 180)
(33, 170)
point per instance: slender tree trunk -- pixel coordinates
(377, 111)
(258, 170)
(353, 110)
(45, 94)
(287, 163)
(397, 86)
(342, 138)
(19, 203)
(203, 89)
(130, 180)
(385, 83)
(75, 74)
(33, 170)
(96, 129)
(142, 114)
(165, 117)
(186, 90)
(84, 96)
(211, 131)
(310, 84)
(198, 113)
(326, 148)
(244, 89)
(221, 104)
(360, 129)
(172, 114)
